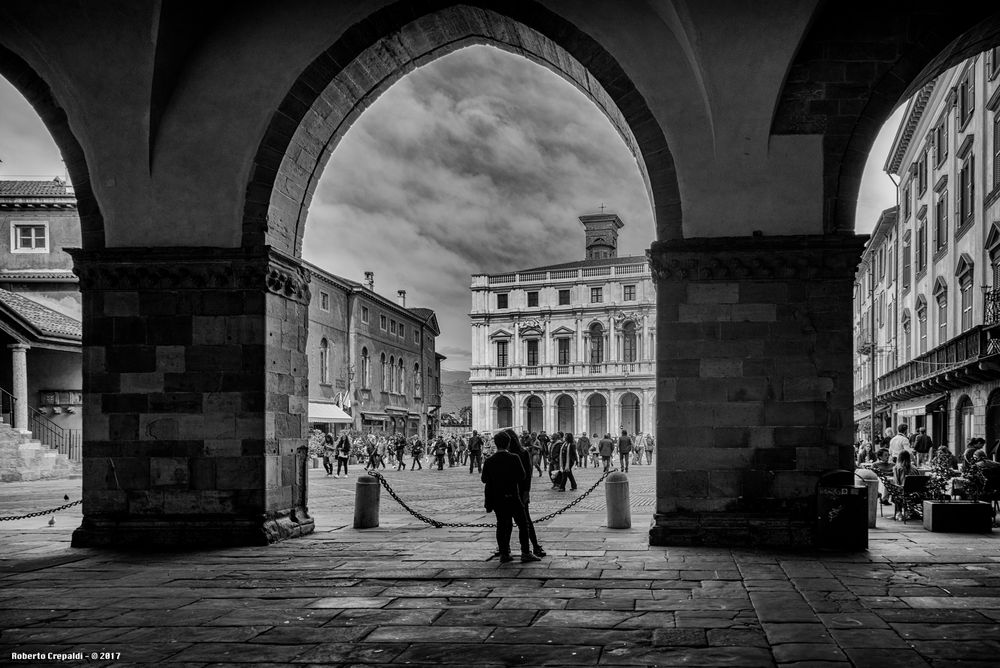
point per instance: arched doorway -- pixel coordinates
(993, 418)
(565, 413)
(534, 414)
(963, 423)
(597, 414)
(504, 409)
(631, 413)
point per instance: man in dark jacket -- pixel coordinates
(504, 477)
(520, 448)
(476, 452)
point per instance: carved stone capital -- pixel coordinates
(128, 269)
(786, 258)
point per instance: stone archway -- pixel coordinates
(534, 411)
(565, 411)
(597, 414)
(631, 413)
(503, 410)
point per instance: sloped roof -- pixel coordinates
(429, 317)
(39, 323)
(55, 188)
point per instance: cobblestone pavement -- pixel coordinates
(407, 594)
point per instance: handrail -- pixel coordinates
(66, 441)
(8, 404)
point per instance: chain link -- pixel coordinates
(439, 524)
(42, 512)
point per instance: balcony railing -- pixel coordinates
(500, 371)
(991, 306)
(613, 368)
(569, 274)
(932, 368)
(531, 370)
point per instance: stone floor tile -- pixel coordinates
(744, 657)
(649, 620)
(338, 653)
(974, 603)
(432, 634)
(589, 636)
(869, 657)
(736, 638)
(680, 638)
(348, 602)
(876, 638)
(459, 602)
(583, 618)
(780, 607)
(601, 604)
(796, 632)
(953, 651)
(794, 652)
(958, 631)
(852, 620)
(206, 652)
(532, 603)
(499, 654)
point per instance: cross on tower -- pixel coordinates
(602, 207)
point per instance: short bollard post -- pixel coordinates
(871, 479)
(366, 500)
(616, 495)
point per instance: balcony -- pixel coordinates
(638, 269)
(968, 358)
(543, 371)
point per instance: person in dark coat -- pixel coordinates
(476, 452)
(524, 454)
(504, 477)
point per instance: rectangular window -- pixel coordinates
(966, 97)
(966, 192)
(392, 326)
(906, 200)
(532, 298)
(502, 301)
(993, 62)
(364, 314)
(941, 141)
(966, 288)
(501, 353)
(628, 293)
(532, 352)
(921, 245)
(402, 331)
(996, 150)
(324, 301)
(383, 322)
(416, 336)
(942, 319)
(941, 221)
(922, 318)
(563, 345)
(29, 238)
(564, 298)
(922, 174)
(596, 295)
(906, 263)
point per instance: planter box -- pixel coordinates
(958, 516)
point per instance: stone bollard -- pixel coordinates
(366, 500)
(871, 480)
(616, 495)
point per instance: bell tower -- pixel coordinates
(602, 234)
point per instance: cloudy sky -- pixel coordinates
(480, 162)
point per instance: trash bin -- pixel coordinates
(842, 512)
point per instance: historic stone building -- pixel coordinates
(372, 361)
(567, 347)
(194, 179)
(41, 383)
(937, 265)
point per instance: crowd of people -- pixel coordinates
(898, 454)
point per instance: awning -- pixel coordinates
(919, 406)
(319, 412)
(394, 410)
(866, 413)
(378, 417)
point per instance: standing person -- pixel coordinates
(476, 452)
(595, 454)
(582, 448)
(440, 450)
(504, 475)
(536, 454)
(567, 459)
(417, 453)
(903, 468)
(517, 447)
(400, 453)
(624, 450)
(328, 450)
(463, 450)
(543, 441)
(451, 451)
(922, 446)
(607, 448)
(647, 442)
(343, 452)
(899, 442)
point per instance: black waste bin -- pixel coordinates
(842, 512)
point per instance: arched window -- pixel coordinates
(963, 423)
(417, 385)
(596, 343)
(629, 350)
(366, 369)
(392, 374)
(385, 375)
(401, 381)
(324, 362)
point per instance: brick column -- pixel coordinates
(195, 397)
(754, 384)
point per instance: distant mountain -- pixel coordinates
(455, 390)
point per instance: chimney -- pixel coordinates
(401, 297)
(370, 280)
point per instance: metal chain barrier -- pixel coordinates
(439, 524)
(41, 512)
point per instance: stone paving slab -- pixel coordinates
(407, 594)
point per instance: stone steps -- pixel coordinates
(24, 458)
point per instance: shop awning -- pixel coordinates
(919, 406)
(319, 412)
(866, 413)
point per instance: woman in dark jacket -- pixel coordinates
(524, 455)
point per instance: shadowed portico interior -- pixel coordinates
(195, 154)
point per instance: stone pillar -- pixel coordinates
(195, 397)
(754, 385)
(19, 382)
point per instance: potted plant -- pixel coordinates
(943, 513)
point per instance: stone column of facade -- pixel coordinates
(19, 384)
(195, 397)
(754, 385)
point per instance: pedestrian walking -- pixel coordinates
(476, 452)
(328, 450)
(417, 453)
(922, 446)
(567, 460)
(624, 450)
(607, 448)
(583, 449)
(400, 454)
(439, 451)
(647, 442)
(504, 476)
(343, 453)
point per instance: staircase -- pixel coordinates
(23, 458)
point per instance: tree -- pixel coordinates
(465, 414)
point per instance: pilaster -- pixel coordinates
(754, 384)
(196, 396)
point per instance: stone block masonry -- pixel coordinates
(754, 356)
(195, 397)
